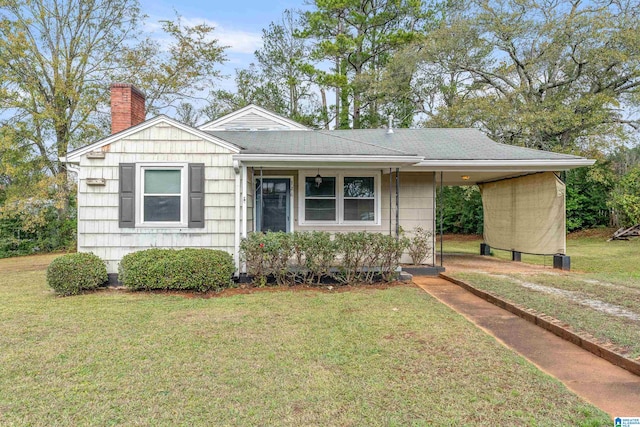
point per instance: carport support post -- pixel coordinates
(441, 218)
(485, 249)
(562, 262)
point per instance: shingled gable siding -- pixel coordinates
(99, 230)
(416, 204)
(252, 121)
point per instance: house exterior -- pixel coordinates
(161, 183)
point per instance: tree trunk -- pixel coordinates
(325, 111)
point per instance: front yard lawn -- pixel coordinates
(366, 357)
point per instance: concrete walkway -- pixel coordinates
(610, 388)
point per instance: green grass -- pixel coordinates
(602, 271)
(620, 331)
(365, 357)
(590, 253)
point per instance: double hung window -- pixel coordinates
(163, 195)
(340, 198)
(320, 199)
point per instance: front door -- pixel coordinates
(273, 200)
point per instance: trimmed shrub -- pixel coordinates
(308, 257)
(318, 255)
(366, 257)
(199, 270)
(73, 273)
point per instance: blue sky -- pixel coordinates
(238, 23)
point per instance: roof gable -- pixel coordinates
(252, 118)
(74, 156)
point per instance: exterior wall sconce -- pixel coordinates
(465, 177)
(318, 179)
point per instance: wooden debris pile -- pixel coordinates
(626, 233)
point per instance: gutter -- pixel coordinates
(324, 159)
(503, 165)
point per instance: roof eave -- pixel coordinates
(504, 165)
(299, 160)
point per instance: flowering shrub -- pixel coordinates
(267, 254)
(419, 245)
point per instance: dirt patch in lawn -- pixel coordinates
(247, 289)
(459, 237)
(476, 263)
(604, 233)
(576, 297)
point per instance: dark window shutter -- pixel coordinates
(127, 208)
(196, 195)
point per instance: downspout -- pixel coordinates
(390, 200)
(244, 201)
(397, 203)
(236, 239)
(261, 200)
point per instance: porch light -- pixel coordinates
(318, 179)
(465, 177)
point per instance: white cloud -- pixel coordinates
(238, 41)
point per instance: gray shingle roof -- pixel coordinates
(430, 143)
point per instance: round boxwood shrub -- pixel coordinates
(170, 269)
(73, 273)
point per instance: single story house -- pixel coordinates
(162, 183)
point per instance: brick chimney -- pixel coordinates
(127, 106)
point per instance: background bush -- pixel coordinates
(170, 269)
(73, 273)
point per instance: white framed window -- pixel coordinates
(162, 195)
(340, 198)
(320, 199)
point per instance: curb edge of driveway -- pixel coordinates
(552, 325)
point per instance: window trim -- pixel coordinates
(340, 175)
(184, 195)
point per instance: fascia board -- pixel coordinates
(502, 165)
(307, 158)
(74, 156)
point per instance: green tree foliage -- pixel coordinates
(252, 87)
(625, 199)
(587, 194)
(283, 61)
(359, 37)
(554, 75)
(461, 210)
(282, 80)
